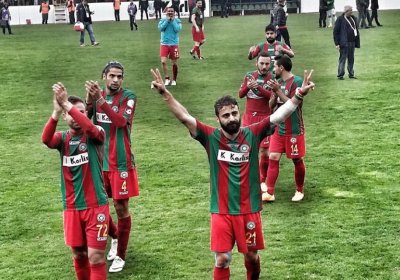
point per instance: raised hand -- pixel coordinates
(60, 93)
(307, 83)
(157, 82)
(93, 89)
(274, 85)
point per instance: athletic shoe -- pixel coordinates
(167, 82)
(266, 197)
(117, 265)
(95, 44)
(201, 58)
(82, 45)
(192, 54)
(113, 250)
(263, 187)
(298, 196)
(173, 83)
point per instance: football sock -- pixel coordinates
(112, 229)
(197, 50)
(82, 269)
(174, 71)
(124, 230)
(272, 175)
(98, 271)
(201, 44)
(253, 269)
(263, 167)
(221, 273)
(299, 174)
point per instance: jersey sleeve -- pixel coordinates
(202, 133)
(87, 126)
(50, 137)
(243, 87)
(125, 112)
(263, 128)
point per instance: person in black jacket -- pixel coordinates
(280, 23)
(158, 5)
(84, 15)
(346, 38)
(143, 6)
(374, 14)
(175, 5)
(323, 7)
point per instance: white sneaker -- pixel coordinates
(117, 265)
(268, 197)
(298, 196)
(173, 83)
(167, 82)
(263, 187)
(113, 250)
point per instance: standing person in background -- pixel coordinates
(143, 6)
(197, 30)
(84, 15)
(169, 47)
(346, 38)
(323, 6)
(225, 4)
(280, 23)
(5, 18)
(175, 5)
(331, 13)
(158, 5)
(113, 108)
(232, 151)
(71, 11)
(257, 92)
(289, 137)
(374, 15)
(132, 10)
(86, 211)
(44, 9)
(117, 6)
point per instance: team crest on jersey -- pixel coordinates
(82, 147)
(244, 148)
(101, 217)
(293, 140)
(286, 92)
(251, 225)
(115, 109)
(130, 103)
(123, 175)
(128, 111)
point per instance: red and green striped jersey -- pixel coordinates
(294, 124)
(270, 49)
(81, 173)
(115, 116)
(235, 182)
(199, 18)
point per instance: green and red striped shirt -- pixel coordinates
(235, 182)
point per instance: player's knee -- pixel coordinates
(96, 256)
(223, 259)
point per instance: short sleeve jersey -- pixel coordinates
(293, 125)
(199, 16)
(117, 145)
(270, 49)
(235, 183)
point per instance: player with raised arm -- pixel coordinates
(235, 186)
(85, 203)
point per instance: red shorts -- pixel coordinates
(251, 118)
(293, 146)
(245, 230)
(87, 227)
(198, 36)
(121, 184)
(172, 52)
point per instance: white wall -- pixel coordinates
(102, 12)
(312, 6)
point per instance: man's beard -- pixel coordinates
(232, 127)
(270, 40)
(113, 89)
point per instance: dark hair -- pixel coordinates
(224, 101)
(262, 54)
(112, 64)
(270, 27)
(285, 61)
(75, 99)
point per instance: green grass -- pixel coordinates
(347, 226)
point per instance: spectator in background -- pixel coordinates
(158, 5)
(117, 6)
(367, 15)
(84, 15)
(346, 37)
(331, 13)
(71, 11)
(132, 10)
(143, 6)
(175, 5)
(323, 6)
(225, 8)
(5, 19)
(44, 9)
(374, 8)
(280, 23)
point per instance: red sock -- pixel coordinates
(263, 167)
(98, 271)
(221, 273)
(174, 71)
(124, 230)
(253, 269)
(197, 50)
(82, 269)
(113, 232)
(299, 174)
(272, 175)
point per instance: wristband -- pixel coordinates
(100, 101)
